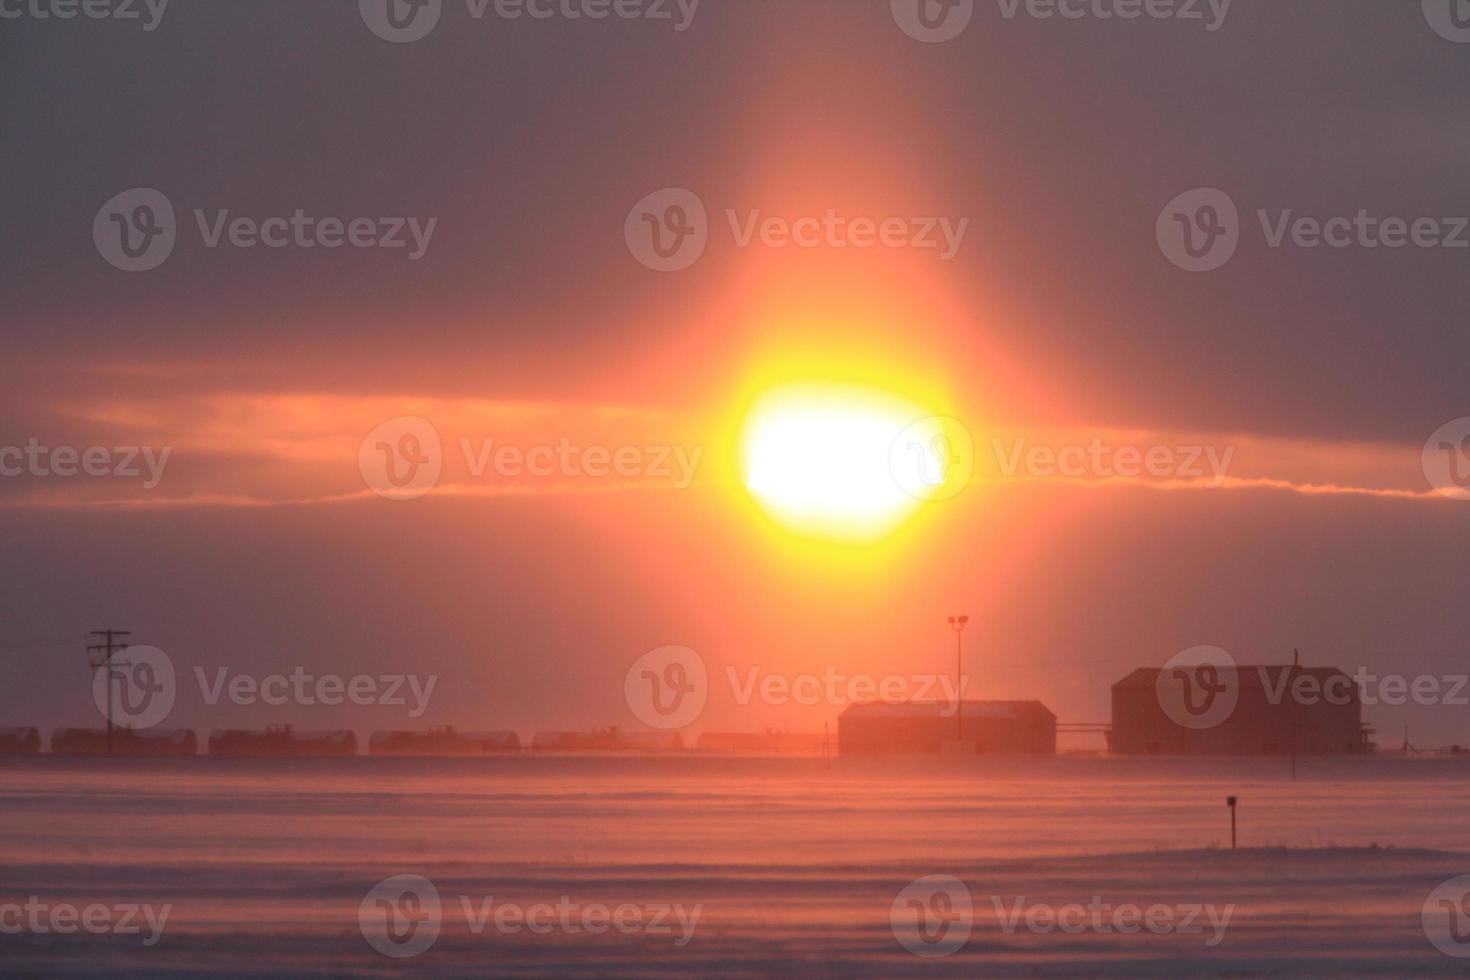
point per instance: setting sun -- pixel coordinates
(818, 458)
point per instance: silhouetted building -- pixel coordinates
(20, 741)
(606, 740)
(767, 742)
(125, 742)
(922, 728)
(443, 741)
(1250, 710)
(282, 741)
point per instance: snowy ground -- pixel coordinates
(791, 867)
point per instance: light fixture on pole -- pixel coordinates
(958, 623)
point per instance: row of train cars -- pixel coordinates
(283, 741)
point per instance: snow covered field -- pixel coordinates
(678, 866)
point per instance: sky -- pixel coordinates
(1031, 168)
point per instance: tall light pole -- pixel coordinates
(957, 623)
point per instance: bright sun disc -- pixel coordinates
(818, 459)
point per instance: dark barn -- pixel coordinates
(607, 740)
(443, 741)
(1278, 709)
(282, 741)
(20, 741)
(125, 742)
(911, 728)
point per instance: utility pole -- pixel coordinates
(957, 623)
(101, 659)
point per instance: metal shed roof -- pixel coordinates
(1248, 675)
(928, 709)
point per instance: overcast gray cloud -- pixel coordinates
(526, 142)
